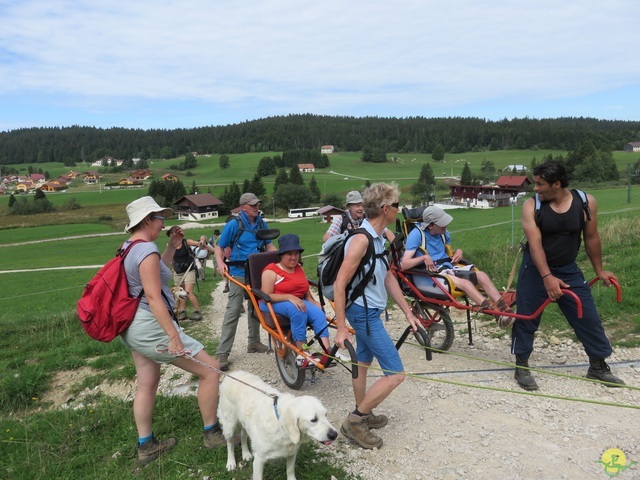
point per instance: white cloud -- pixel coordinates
(330, 57)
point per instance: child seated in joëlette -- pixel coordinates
(288, 287)
(426, 247)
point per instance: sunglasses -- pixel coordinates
(395, 205)
(159, 217)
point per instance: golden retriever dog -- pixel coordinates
(276, 430)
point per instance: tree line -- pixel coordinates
(310, 132)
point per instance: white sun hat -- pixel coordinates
(140, 208)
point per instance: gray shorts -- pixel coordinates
(145, 334)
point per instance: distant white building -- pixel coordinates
(306, 167)
(518, 168)
(328, 149)
(632, 147)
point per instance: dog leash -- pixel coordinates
(162, 348)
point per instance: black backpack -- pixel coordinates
(331, 258)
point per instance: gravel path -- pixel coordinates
(439, 430)
(443, 431)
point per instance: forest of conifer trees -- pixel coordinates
(292, 132)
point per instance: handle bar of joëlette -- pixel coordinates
(450, 301)
(567, 291)
(615, 283)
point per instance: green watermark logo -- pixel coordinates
(614, 462)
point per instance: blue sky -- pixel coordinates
(183, 64)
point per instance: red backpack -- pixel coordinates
(105, 308)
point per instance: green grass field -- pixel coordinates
(40, 336)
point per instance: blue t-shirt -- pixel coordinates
(435, 244)
(375, 292)
(132, 262)
(247, 242)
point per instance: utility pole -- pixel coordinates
(629, 183)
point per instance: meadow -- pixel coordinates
(40, 336)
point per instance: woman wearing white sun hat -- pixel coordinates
(154, 326)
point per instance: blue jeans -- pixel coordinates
(531, 294)
(377, 343)
(313, 316)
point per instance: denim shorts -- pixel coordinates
(377, 343)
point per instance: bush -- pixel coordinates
(71, 204)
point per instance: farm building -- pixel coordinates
(197, 207)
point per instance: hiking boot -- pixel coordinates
(213, 438)
(376, 421)
(197, 316)
(224, 362)
(505, 321)
(226, 288)
(523, 376)
(182, 315)
(599, 370)
(357, 429)
(257, 347)
(152, 449)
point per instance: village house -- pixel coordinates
(328, 212)
(515, 168)
(632, 147)
(169, 177)
(108, 160)
(197, 207)
(37, 178)
(519, 183)
(327, 149)
(25, 185)
(64, 178)
(129, 181)
(91, 177)
(53, 186)
(141, 174)
(489, 196)
(306, 167)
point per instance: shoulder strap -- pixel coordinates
(241, 229)
(581, 194)
(345, 223)
(423, 241)
(585, 203)
(537, 213)
(122, 252)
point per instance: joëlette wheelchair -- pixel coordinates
(278, 326)
(432, 305)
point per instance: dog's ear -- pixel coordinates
(290, 424)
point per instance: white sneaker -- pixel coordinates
(343, 357)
